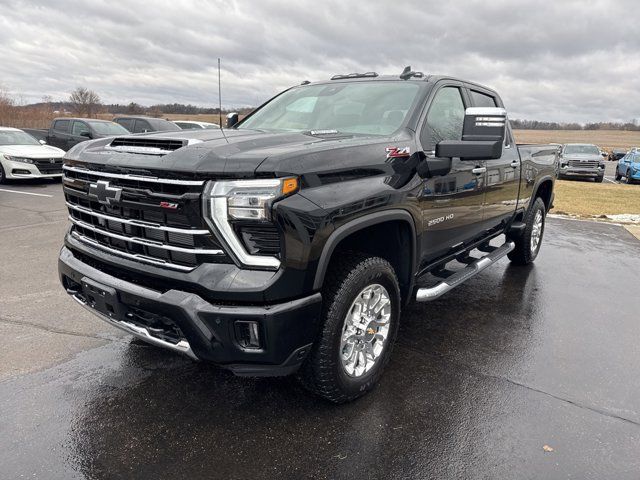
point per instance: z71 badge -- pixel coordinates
(398, 152)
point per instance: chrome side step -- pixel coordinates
(431, 293)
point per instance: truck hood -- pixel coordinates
(236, 153)
(32, 151)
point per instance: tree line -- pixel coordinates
(538, 125)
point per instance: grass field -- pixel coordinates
(606, 139)
(587, 199)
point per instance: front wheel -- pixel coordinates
(3, 177)
(618, 176)
(629, 179)
(529, 243)
(361, 311)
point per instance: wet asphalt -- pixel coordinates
(480, 381)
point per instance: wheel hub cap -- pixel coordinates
(365, 330)
(536, 231)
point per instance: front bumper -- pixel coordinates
(205, 331)
(578, 172)
(18, 170)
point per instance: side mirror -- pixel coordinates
(42, 142)
(232, 119)
(482, 135)
(85, 134)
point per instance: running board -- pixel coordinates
(431, 293)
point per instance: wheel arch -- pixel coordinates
(371, 225)
(544, 190)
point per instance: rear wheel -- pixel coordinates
(361, 311)
(529, 243)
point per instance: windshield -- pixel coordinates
(108, 128)
(16, 137)
(372, 108)
(581, 150)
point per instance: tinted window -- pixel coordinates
(61, 126)
(482, 99)
(79, 128)
(126, 123)
(141, 126)
(445, 118)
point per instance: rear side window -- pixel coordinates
(445, 118)
(482, 99)
(61, 126)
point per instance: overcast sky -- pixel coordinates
(550, 60)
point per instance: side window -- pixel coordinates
(141, 126)
(79, 128)
(61, 126)
(482, 99)
(445, 118)
(126, 123)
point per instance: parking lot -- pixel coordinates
(519, 373)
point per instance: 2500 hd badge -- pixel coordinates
(290, 242)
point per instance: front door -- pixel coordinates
(451, 204)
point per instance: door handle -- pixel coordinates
(479, 170)
(515, 164)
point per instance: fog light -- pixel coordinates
(247, 334)
(18, 171)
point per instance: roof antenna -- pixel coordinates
(220, 103)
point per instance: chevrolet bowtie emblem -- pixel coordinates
(370, 331)
(105, 194)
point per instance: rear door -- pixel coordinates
(503, 174)
(59, 134)
(451, 204)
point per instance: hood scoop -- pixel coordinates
(149, 145)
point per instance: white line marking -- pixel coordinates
(26, 193)
(609, 180)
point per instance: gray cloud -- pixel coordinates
(550, 60)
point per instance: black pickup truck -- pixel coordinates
(290, 241)
(65, 132)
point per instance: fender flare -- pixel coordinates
(360, 223)
(540, 181)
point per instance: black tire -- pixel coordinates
(522, 254)
(618, 176)
(628, 178)
(323, 372)
(599, 179)
(3, 177)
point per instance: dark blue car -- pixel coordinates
(629, 166)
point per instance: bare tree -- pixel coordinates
(84, 102)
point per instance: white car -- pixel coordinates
(191, 125)
(22, 156)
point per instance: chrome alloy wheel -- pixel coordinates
(365, 330)
(536, 231)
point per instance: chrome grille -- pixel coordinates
(583, 163)
(155, 220)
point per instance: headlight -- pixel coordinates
(18, 159)
(244, 200)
